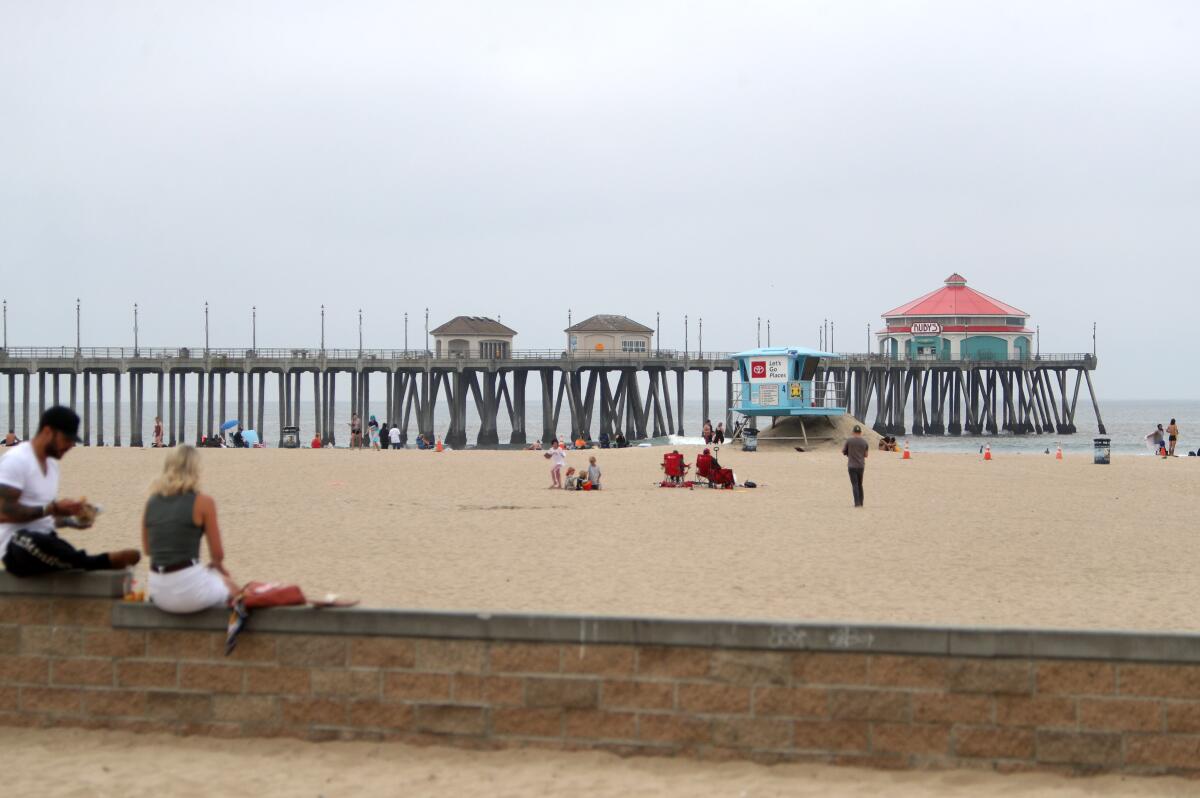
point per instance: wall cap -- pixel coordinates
(727, 634)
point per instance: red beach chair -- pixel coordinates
(675, 469)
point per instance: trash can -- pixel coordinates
(289, 438)
(750, 439)
(1103, 451)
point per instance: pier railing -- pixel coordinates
(315, 353)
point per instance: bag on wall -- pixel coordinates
(272, 594)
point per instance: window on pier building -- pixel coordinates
(493, 349)
(637, 345)
(574, 342)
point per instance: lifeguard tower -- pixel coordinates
(782, 381)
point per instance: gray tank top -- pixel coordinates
(172, 535)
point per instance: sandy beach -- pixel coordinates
(1022, 540)
(129, 765)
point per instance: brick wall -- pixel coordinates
(64, 663)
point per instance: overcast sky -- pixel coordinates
(795, 160)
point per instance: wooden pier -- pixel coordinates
(598, 391)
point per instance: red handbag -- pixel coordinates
(271, 594)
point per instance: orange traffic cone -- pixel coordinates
(907, 455)
(987, 452)
(1058, 454)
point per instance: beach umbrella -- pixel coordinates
(230, 424)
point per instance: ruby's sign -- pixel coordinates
(926, 328)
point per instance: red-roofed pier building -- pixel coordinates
(955, 322)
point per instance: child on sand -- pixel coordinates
(558, 459)
(593, 473)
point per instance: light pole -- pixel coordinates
(6, 325)
(657, 331)
(1039, 340)
(406, 332)
(254, 328)
(360, 332)
(830, 336)
(701, 337)
(427, 332)
(868, 339)
(768, 332)
(685, 336)
(1093, 339)
(758, 332)
(78, 349)
(206, 329)
(135, 329)
(322, 329)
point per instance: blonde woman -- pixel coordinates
(177, 516)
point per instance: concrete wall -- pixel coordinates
(70, 655)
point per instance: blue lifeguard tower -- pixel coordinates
(783, 381)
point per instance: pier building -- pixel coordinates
(473, 336)
(955, 322)
(609, 333)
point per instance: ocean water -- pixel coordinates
(1127, 423)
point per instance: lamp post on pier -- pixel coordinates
(135, 329)
(768, 332)
(426, 332)
(360, 333)
(254, 329)
(1039, 340)
(406, 332)
(657, 332)
(685, 336)
(6, 325)
(1093, 339)
(830, 336)
(322, 329)
(78, 316)
(701, 344)
(758, 332)
(206, 329)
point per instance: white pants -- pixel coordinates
(190, 590)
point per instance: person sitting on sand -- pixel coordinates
(593, 473)
(570, 480)
(11, 439)
(29, 544)
(177, 516)
(580, 443)
(316, 441)
(719, 433)
(620, 440)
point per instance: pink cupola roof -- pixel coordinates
(955, 299)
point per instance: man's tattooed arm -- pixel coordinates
(13, 512)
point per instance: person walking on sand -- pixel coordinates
(1172, 437)
(856, 450)
(558, 458)
(355, 431)
(29, 544)
(394, 437)
(593, 473)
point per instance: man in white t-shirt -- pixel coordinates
(29, 511)
(394, 436)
